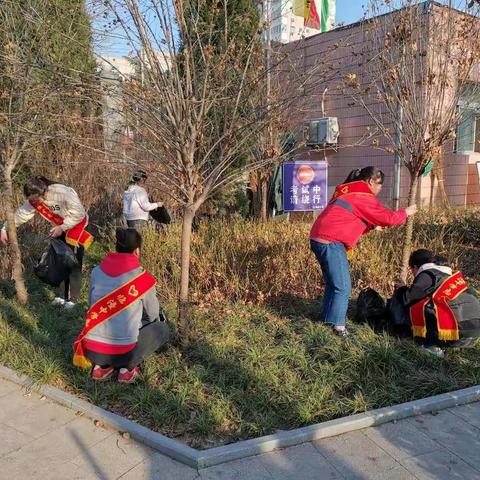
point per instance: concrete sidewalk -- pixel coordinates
(42, 440)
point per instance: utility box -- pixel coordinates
(322, 131)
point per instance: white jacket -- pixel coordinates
(136, 204)
(61, 200)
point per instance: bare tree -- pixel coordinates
(421, 62)
(197, 106)
(36, 93)
(24, 93)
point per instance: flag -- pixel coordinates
(325, 15)
(298, 7)
(311, 15)
(316, 13)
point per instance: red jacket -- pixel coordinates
(353, 211)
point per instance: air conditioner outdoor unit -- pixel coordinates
(322, 131)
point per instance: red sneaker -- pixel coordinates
(128, 376)
(102, 374)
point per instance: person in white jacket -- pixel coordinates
(61, 206)
(136, 205)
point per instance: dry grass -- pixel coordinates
(270, 262)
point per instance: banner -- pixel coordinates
(305, 186)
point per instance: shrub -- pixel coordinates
(247, 261)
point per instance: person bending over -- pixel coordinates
(353, 211)
(61, 206)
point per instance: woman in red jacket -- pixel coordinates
(353, 211)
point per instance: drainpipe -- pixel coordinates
(397, 161)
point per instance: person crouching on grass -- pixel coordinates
(353, 211)
(442, 309)
(123, 325)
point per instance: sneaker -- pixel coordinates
(341, 331)
(58, 301)
(102, 374)
(69, 305)
(437, 351)
(128, 376)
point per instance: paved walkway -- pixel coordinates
(42, 440)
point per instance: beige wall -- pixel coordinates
(353, 150)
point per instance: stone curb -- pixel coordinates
(235, 451)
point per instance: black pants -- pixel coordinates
(152, 337)
(71, 288)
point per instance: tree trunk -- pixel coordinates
(17, 267)
(441, 188)
(184, 300)
(259, 181)
(264, 199)
(432, 190)
(407, 245)
(438, 172)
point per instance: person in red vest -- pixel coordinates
(124, 323)
(441, 308)
(61, 206)
(353, 211)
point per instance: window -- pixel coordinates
(468, 133)
(476, 147)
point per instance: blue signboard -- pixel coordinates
(305, 186)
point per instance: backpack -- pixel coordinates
(56, 263)
(371, 309)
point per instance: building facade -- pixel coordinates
(461, 158)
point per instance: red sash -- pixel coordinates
(447, 324)
(109, 306)
(353, 187)
(75, 236)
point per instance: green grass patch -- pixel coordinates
(253, 367)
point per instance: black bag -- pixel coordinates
(161, 215)
(399, 317)
(56, 263)
(371, 309)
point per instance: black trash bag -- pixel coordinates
(161, 215)
(371, 309)
(398, 315)
(56, 263)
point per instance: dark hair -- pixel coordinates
(420, 257)
(440, 261)
(128, 240)
(138, 175)
(365, 173)
(37, 186)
